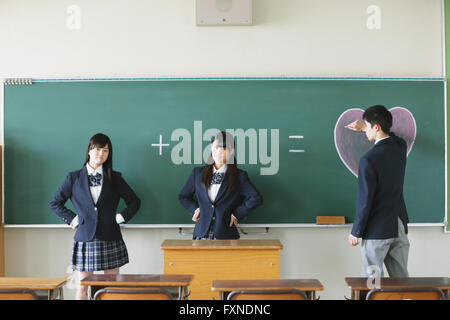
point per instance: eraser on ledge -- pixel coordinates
(334, 220)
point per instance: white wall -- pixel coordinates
(309, 253)
(159, 38)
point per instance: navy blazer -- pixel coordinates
(239, 201)
(380, 200)
(99, 219)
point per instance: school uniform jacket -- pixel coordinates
(95, 219)
(239, 201)
(380, 191)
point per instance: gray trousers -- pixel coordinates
(393, 252)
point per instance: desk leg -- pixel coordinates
(54, 294)
(310, 295)
(92, 290)
(89, 293)
(183, 292)
(355, 295)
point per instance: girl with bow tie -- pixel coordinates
(95, 192)
(219, 194)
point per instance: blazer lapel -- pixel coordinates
(84, 183)
(105, 188)
(205, 191)
(223, 187)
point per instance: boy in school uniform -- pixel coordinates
(381, 217)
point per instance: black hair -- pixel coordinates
(226, 141)
(378, 114)
(101, 140)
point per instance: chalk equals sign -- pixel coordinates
(296, 150)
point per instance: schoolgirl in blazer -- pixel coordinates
(218, 195)
(95, 191)
(95, 219)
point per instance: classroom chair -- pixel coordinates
(17, 294)
(406, 294)
(126, 293)
(267, 295)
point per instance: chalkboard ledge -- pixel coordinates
(177, 226)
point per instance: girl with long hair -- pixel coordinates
(95, 191)
(219, 194)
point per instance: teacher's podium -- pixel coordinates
(210, 260)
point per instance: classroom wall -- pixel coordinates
(308, 253)
(2, 252)
(159, 38)
(2, 231)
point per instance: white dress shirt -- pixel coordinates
(95, 193)
(213, 189)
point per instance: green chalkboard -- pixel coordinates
(47, 126)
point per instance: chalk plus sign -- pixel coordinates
(160, 145)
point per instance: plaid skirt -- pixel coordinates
(210, 235)
(99, 255)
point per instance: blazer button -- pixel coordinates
(212, 206)
(95, 208)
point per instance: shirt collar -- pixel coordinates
(222, 169)
(92, 171)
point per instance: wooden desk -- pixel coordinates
(309, 286)
(139, 280)
(52, 285)
(357, 285)
(211, 260)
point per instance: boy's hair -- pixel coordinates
(378, 114)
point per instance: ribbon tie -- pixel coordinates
(217, 178)
(95, 181)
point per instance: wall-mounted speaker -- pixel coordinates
(223, 12)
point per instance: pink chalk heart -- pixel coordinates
(352, 145)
